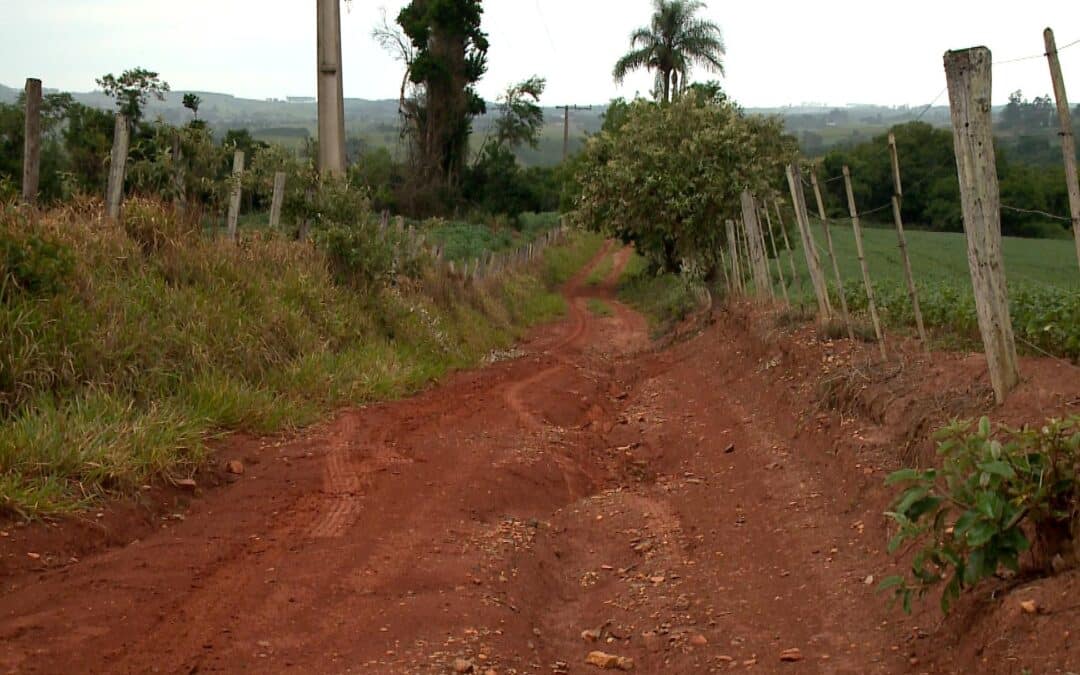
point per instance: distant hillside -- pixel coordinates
(376, 123)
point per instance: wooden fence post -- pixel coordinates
(724, 269)
(856, 225)
(776, 254)
(813, 263)
(234, 200)
(114, 193)
(756, 253)
(733, 246)
(832, 253)
(898, 195)
(968, 73)
(787, 243)
(1068, 141)
(31, 177)
(277, 200)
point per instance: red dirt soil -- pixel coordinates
(703, 507)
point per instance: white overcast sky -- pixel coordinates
(829, 51)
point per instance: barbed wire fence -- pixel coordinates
(968, 75)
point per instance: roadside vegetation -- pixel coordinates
(664, 299)
(125, 347)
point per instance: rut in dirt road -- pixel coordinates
(594, 494)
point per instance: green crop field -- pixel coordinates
(1042, 275)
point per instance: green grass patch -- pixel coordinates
(562, 263)
(1042, 275)
(601, 271)
(664, 299)
(462, 241)
(599, 308)
(119, 360)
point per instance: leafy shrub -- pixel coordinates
(976, 514)
(30, 262)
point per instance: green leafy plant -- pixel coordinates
(995, 497)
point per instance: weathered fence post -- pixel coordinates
(114, 193)
(754, 248)
(277, 200)
(898, 195)
(724, 269)
(776, 254)
(813, 263)
(1068, 141)
(968, 73)
(234, 199)
(856, 225)
(787, 243)
(31, 178)
(179, 184)
(832, 253)
(733, 246)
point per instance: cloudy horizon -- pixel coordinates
(778, 54)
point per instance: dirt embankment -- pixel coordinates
(710, 506)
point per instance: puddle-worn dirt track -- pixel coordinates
(670, 501)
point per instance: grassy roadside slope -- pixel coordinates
(124, 348)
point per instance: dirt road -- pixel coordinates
(673, 502)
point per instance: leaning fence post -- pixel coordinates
(733, 246)
(31, 178)
(1068, 141)
(832, 253)
(776, 254)
(756, 253)
(787, 243)
(277, 200)
(813, 262)
(114, 193)
(968, 73)
(898, 195)
(856, 225)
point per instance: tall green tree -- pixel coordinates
(133, 89)
(450, 58)
(192, 103)
(672, 44)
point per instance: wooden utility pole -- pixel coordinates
(787, 243)
(566, 127)
(968, 73)
(114, 192)
(813, 262)
(776, 254)
(31, 178)
(832, 253)
(857, 227)
(278, 198)
(733, 246)
(1068, 141)
(754, 249)
(331, 92)
(898, 195)
(234, 199)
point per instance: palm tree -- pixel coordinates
(674, 42)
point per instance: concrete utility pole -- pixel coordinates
(32, 142)
(566, 127)
(1068, 143)
(331, 93)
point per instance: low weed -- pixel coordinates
(995, 497)
(664, 299)
(599, 308)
